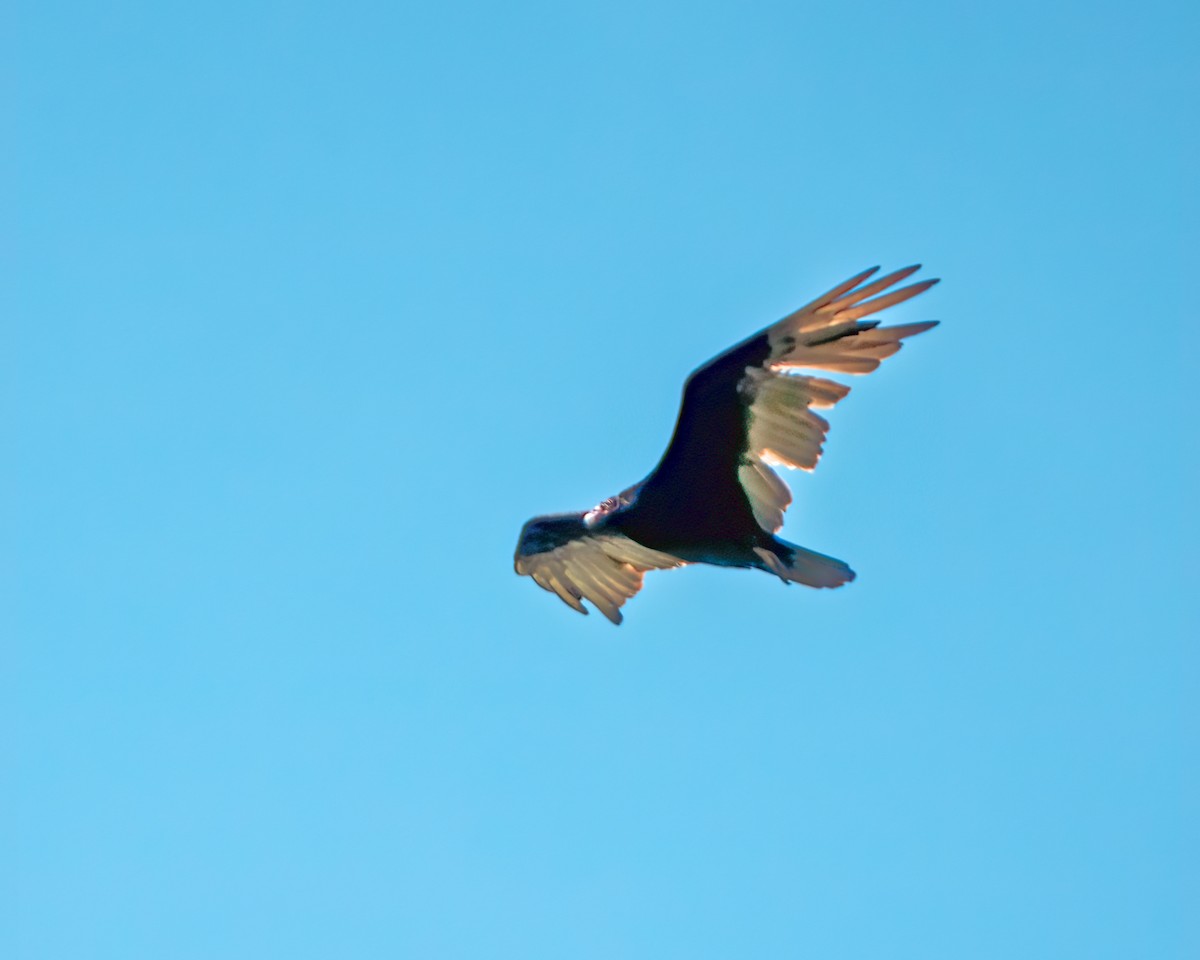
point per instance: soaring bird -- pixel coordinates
(714, 497)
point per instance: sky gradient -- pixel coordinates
(316, 306)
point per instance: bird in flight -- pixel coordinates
(714, 497)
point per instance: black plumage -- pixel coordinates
(714, 497)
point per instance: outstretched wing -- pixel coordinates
(566, 558)
(746, 410)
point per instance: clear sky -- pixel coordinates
(315, 305)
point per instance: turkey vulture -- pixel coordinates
(714, 497)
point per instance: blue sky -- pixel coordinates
(315, 306)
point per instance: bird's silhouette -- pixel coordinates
(715, 497)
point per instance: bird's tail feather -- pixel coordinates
(794, 564)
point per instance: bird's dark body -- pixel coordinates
(693, 505)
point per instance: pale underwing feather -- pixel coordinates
(829, 296)
(885, 301)
(605, 569)
(877, 286)
(769, 496)
(829, 334)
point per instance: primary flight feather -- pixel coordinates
(714, 497)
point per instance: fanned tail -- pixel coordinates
(795, 564)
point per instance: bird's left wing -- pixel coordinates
(827, 334)
(566, 558)
(747, 407)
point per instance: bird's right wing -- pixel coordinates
(605, 568)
